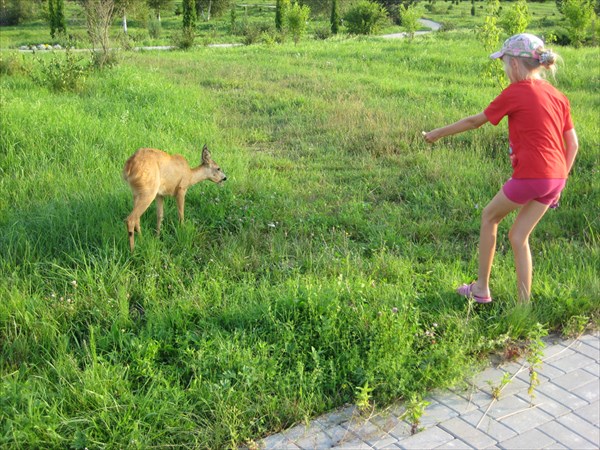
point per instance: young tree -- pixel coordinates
(159, 5)
(579, 15)
(516, 18)
(409, 18)
(99, 15)
(281, 7)
(57, 17)
(14, 12)
(489, 34)
(51, 18)
(211, 8)
(335, 18)
(366, 17)
(189, 14)
(296, 20)
(123, 7)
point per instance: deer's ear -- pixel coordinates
(206, 158)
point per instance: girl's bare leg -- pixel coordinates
(492, 215)
(526, 220)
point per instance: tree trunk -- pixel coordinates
(125, 23)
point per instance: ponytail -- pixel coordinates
(545, 58)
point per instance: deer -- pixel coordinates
(154, 174)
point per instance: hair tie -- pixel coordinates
(546, 57)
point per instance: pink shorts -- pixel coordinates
(543, 190)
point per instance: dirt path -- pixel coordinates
(434, 26)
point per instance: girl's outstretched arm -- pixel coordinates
(468, 123)
(572, 145)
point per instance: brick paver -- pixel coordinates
(565, 411)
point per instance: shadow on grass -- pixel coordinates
(60, 230)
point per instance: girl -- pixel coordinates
(542, 149)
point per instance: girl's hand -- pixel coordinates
(430, 136)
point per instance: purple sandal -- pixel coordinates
(467, 291)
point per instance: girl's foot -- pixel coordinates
(471, 291)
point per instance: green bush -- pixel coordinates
(62, 72)
(366, 18)
(447, 26)
(253, 33)
(579, 15)
(409, 18)
(14, 12)
(184, 39)
(154, 28)
(296, 19)
(323, 32)
(13, 64)
(516, 19)
(561, 36)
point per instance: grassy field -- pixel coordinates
(323, 268)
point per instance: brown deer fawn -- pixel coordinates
(152, 173)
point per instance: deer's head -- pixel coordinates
(215, 173)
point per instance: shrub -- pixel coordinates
(102, 59)
(13, 64)
(334, 18)
(57, 17)
(560, 36)
(267, 38)
(409, 18)
(281, 7)
(62, 72)
(296, 19)
(184, 39)
(154, 28)
(189, 14)
(255, 32)
(579, 15)
(365, 18)
(14, 12)
(447, 26)
(516, 19)
(323, 32)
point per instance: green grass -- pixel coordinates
(323, 264)
(545, 18)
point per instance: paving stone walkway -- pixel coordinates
(565, 412)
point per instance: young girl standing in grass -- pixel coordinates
(542, 148)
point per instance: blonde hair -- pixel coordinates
(547, 60)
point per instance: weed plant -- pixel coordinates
(322, 273)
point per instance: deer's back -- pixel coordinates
(155, 170)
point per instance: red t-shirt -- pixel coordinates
(538, 117)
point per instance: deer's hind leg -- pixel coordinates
(159, 212)
(141, 201)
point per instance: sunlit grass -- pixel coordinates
(321, 265)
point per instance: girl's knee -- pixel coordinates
(517, 238)
(489, 216)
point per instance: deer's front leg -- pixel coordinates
(159, 212)
(180, 197)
